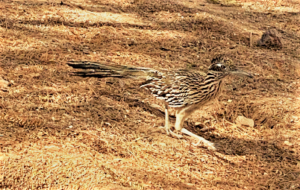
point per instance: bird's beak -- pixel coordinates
(242, 73)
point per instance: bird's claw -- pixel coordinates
(209, 145)
(175, 134)
(170, 132)
(167, 130)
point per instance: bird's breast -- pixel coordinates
(205, 93)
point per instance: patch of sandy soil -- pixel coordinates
(60, 131)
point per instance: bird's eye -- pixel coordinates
(223, 67)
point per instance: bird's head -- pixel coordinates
(223, 66)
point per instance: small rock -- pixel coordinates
(241, 120)
(162, 144)
(155, 106)
(287, 143)
(295, 118)
(40, 134)
(3, 84)
(198, 123)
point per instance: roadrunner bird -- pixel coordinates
(184, 90)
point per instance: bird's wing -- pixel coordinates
(177, 88)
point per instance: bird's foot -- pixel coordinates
(175, 134)
(164, 128)
(210, 145)
(170, 132)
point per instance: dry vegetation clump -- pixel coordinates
(270, 39)
(67, 132)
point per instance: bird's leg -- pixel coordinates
(167, 124)
(179, 122)
(180, 117)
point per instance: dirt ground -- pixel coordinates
(60, 131)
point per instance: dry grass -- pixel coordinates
(64, 132)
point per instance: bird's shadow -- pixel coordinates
(264, 152)
(225, 145)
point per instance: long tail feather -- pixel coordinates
(96, 69)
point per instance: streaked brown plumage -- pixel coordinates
(184, 90)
